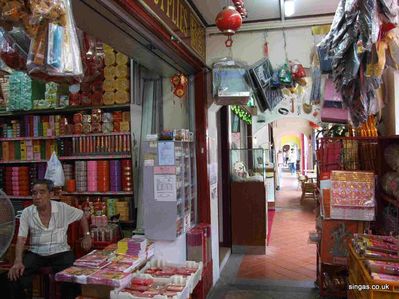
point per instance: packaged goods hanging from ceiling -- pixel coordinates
(358, 46)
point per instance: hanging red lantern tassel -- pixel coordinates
(228, 22)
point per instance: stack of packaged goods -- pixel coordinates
(376, 246)
(136, 246)
(107, 126)
(122, 208)
(379, 256)
(20, 93)
(68, 171)
(103, 177)
(81, 176)
(92, 176)
(127, 180)
(17, 181)
(115, 175)
(111, 207)
(146, 286)
(116, 83)
(106, 267)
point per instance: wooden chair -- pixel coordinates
(309, 189)
(301, 179)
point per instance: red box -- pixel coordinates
(335, 237)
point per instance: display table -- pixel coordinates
(248, 211)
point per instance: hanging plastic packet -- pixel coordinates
(48, 11)
(275, 79)
(54, 48)
(285, 75)
(13, 11)
(297, 70)
(11, 52)
(54, 53)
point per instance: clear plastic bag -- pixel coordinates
(48, 10)
(54, 54)
(12, 53)
(54, 171)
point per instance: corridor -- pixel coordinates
(288, 270)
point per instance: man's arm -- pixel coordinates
(86, 241)
(18, 268)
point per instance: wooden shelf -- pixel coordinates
(29, 197)
(390, 199)
(22, 161)
(63, 110)
(120, 193)
(66, 158)
(95, 134)
(63, 136)
(18, 197)
(96, 157)
(29, 138)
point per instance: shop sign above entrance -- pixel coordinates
(182, 20)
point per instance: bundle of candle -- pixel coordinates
(112, 144)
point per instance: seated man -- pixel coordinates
(47, 221)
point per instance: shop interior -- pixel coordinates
(224, 149)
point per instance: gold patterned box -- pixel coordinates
(353, 195)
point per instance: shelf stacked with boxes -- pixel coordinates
(168, 190)
(84, 124)
(347, 168)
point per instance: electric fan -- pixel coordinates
(7, 222)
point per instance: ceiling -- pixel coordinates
(265, 10)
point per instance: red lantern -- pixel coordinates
(228, 22)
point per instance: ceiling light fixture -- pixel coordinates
(289, 8)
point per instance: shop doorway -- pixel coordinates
(289, 255)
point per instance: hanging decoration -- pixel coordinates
(228, 22)
(359, 51)
(179, 84)
(240, 7)
(242, 114)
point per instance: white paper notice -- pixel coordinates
(165, 187)
(166, 153)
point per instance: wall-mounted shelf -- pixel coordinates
(62, 136)
(109, 193)
(64, 110)
(22, 161)
(96, 157)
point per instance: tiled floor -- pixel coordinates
(288, 269)
(289, 255)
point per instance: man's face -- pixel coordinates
(41, 195)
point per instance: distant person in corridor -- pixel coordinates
(292, 161)
(47, 222)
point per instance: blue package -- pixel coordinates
(55, 41)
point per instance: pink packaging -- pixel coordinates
(110, 278)
(383, 267)
(385, 277)
(29, 153)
